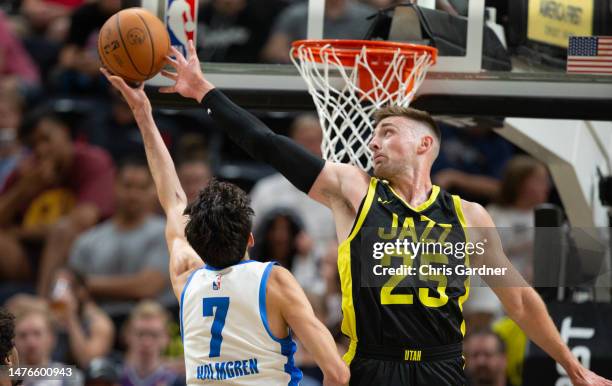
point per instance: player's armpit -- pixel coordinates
(183, 259)
(341, 188)
(340, 181)
(287, 301)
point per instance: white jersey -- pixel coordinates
(225, 330)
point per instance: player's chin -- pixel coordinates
(381, 171)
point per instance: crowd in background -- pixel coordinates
(83, 261)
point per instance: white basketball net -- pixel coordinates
(345, 112)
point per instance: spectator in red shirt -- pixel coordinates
(60, 190)
(15, 62)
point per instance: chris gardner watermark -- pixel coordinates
(434, 259)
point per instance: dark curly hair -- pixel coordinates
(7, 334)
(219, 224)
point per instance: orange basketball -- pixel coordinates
(133, 44)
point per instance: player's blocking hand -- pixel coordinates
(589, 378)
(189, 81)
(135, 97)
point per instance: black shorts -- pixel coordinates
(368, 371)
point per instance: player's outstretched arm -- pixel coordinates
(172, 198)
(285, 294)
(521, 302)
(323, 181)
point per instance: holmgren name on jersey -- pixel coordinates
(221, 371)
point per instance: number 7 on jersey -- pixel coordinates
(222, 305)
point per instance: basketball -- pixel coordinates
(133, 44)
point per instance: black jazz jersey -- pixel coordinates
(400, 271)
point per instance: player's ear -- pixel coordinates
(251, 240)
(426, 143)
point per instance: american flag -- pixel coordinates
(589, 55)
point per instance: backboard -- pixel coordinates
(455, 85)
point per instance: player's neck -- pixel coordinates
(414, 188)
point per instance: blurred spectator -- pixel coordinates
(333, 294)
(49, 17)
(21, 302)
(344, 19)
(85, 332)
(11, 151)
(471, 161)
(515, 342)
(53, 195)
(15, 62)
(146, 335)
(276, 191)
(79, 62)
(485, 359)
(235, 31)
(125, 259)
(454, 7)
(194, 175)
(281, 237)
(34, 340)
(525, 184)
(112, 126)
(8, 351)
(103, 372)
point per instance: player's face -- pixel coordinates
(484, 363)
(33, 339)
(134, 191)
(393, 146)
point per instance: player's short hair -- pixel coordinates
(7, 334)
(409, 113)
(219, 224)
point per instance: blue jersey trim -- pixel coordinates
(288, 346)
(208, 267)
(183, 298)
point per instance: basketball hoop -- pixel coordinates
(375, 74)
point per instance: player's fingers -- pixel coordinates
(116, 81)
(169, 75)
(167, 90)
(191, 47)
(179, 57)
(171, 61)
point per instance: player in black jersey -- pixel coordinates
(406, 326)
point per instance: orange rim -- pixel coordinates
(347, 50)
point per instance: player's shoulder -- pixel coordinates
(475, 214)
(279, 276)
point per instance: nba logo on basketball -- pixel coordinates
(217, 283)
(181, 22)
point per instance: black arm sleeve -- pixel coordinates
(294, 162)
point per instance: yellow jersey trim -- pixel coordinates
(462, 299)
(435, 189)
(349, 323)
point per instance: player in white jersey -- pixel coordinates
(236, 314)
